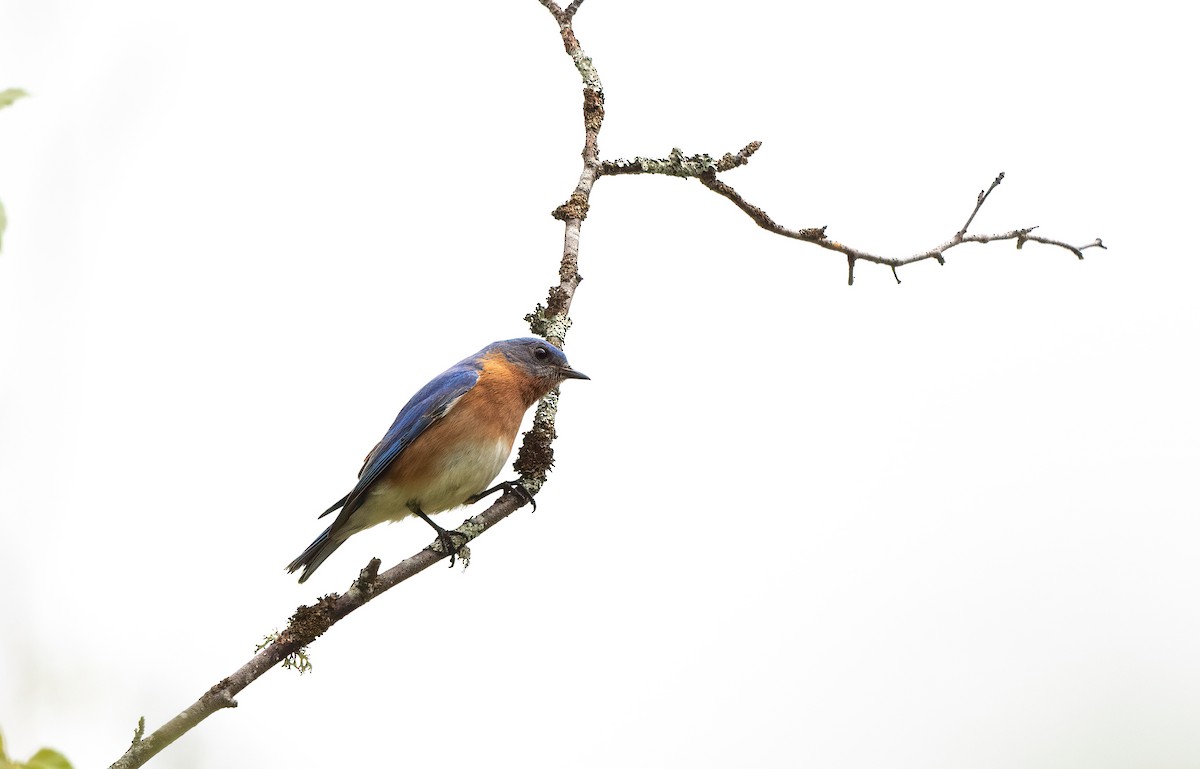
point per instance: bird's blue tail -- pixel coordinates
(315, 554)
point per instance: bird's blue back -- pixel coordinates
(422, 410)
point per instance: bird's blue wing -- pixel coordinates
(426, 407)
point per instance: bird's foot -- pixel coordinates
(516, 487)
(445, 539)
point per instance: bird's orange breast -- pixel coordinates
(459, 455)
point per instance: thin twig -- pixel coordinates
(983, 194)
(553, 8)
(816, 235)
(572, 8)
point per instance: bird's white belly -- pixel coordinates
(464, 472)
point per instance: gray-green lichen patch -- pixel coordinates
(587, 70)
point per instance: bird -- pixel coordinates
(447, 444)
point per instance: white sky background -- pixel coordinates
(943, 524)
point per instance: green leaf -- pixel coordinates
(10, 95)
(43, 759)
(48, 759)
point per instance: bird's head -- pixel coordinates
(538, 359)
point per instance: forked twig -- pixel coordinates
(704, 169)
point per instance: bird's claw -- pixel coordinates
(516, 487)
(444, 539)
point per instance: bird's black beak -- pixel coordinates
(566, 372)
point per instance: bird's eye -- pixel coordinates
(541, 353)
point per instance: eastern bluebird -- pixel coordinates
(447, 443)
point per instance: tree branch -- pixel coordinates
(536, 456)
(534, 459)
(704, 169)
(308, 624)
(675, 164)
